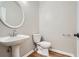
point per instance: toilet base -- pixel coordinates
(42, 51)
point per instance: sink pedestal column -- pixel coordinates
(16, 51)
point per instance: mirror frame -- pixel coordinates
(14, 27)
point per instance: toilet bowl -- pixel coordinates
(42, 46)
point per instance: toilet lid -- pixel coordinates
(45, 44)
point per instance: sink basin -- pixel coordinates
(11, 41)
(14, 42)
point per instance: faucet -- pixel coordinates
(14, 33)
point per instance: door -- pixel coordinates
(77, 30)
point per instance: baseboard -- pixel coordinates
(28, 53)
(62, 52)
(58, 51)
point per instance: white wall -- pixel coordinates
(52, 20)
(30, 26)
(56, 19)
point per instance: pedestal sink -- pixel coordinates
(14, 42)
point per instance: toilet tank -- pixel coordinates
(36, 38)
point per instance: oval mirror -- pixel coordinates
(11, 14)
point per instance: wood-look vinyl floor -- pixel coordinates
(51, 54)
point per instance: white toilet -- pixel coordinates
(42, 46)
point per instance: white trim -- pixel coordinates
(27, 54)
(62, 52)
(58, 51)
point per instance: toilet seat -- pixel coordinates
(44, 44)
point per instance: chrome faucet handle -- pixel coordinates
(13, 33)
